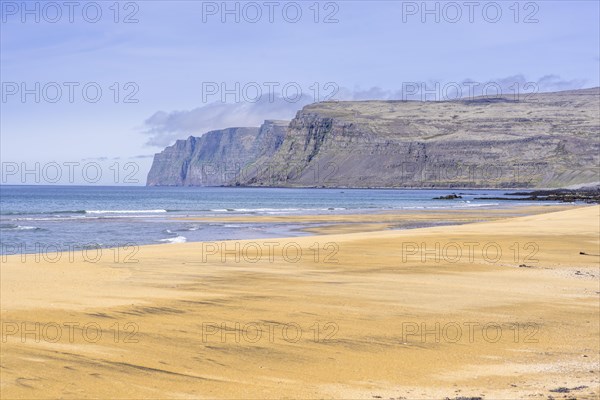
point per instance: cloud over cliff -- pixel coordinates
(163, 128)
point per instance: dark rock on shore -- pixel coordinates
(448, 197)
(590, 194)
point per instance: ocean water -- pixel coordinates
(43, 218)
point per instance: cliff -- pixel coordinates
(546, 140)
(216, 158)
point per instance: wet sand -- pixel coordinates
(378, 221)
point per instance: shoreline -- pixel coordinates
(325, 223)
(390, 220)
(181, 322)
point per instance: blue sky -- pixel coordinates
(176, 51)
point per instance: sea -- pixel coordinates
(37, 219)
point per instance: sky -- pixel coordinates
(92, 90)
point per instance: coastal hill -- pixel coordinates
(543, 140)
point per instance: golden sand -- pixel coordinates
(507, 308)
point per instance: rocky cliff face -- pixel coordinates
(546, 140)
(216, 158)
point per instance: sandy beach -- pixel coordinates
(503, 306)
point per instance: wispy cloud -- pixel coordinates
(142, 156)
(435, 90)
(165, 127)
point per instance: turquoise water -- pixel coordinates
(62, 217)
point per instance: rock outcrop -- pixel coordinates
(546, 140)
